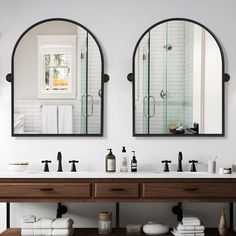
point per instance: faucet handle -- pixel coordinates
(73, 166)
(193, 166)
(166, 166)
(46, 167)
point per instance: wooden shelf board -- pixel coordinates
(93, 232)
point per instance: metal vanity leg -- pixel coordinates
(8, 223)
(231, 216)
(117, 216)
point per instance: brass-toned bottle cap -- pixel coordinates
(105, 216)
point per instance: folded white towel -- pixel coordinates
(42, 232)
(62, 232)
(193, 223)
(43, 223)
(177, 233)
(182, 227)
(27, 225)
(190, 218)
(62, 223)
(28, 219)
(27, 232)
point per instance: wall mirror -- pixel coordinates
(178, 81)
(57, 81)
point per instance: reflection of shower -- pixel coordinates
(168, 47)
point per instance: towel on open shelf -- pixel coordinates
(27, 232)
(28, 219)
(182, 227)
(62, 232)
(62, 223)
(44, 223)
(177, 233)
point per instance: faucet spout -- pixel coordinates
(59, 158)
(180, 158)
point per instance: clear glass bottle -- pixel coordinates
(104, 223)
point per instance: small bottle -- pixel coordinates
(124, 163)
(134, 164)
(110, 162)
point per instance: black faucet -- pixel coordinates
(180, 158)
(59, 158)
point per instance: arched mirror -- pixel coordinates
(57, 81)
(178, 81)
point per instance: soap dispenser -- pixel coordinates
(110, 162)
(134, 164)
(124, 163)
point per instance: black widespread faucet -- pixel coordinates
(59, 158)
(180, 158)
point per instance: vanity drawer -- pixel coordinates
(116, 190)
(45, 190)
(189, 190)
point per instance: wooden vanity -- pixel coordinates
(117, 190)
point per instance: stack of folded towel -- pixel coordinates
(46, 227)
(190, 226)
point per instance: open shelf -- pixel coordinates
(93, 232)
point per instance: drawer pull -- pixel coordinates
(46, 189)
(190, 189)
(117, 189)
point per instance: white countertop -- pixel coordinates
(117, 175)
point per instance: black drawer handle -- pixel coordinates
(46, 189)
(117, 189)
(190, 189)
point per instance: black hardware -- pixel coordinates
(59, 158)
(106, 78)
(9, 78)
(73, 166)
(166, 166)
(130, 77)
(46, 189)
(61, 210)
(177, 210)
(193, 166)
(46, 167)
(231, 216)
(190, 189)
(117, 189)
(225, 78)
(180, 158)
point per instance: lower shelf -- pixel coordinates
(93, 232)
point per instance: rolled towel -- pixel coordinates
(42, 232)
(43, 223)
(27, 232)
(28, 219)
(62, 223)
(62, 232)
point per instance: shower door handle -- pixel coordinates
(91, 98)
(144, 106)
(154, 106)
(83, 99)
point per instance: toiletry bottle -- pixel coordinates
(124, 163)
(134, 163)
(110, 162)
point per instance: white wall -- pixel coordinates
(117, 25)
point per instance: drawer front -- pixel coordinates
(117, 190)
(189, 190)
(45, 190)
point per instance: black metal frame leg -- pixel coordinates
(8, 215)
(231, 216)
(117, 216)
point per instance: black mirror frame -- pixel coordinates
(10, 78)
(225, 78)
